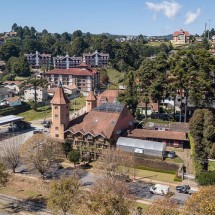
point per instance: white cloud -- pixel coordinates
(170, 9)
(192, 16)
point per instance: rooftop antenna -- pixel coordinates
(205, 29)
(209, 28)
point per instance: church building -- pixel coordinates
(96, 130)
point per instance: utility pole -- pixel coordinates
(205, 30)
(209, 28)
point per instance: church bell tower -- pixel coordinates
(60, 113)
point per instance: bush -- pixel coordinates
(206, 178)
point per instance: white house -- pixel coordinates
(13, 101)
(13, 85)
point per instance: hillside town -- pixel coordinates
(104, 124)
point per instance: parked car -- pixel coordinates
(38, 131)
(159, 189)
(183, 189)
(171, 154)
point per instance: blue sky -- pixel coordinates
(130, 17)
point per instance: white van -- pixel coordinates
(159, 189)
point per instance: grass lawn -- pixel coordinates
(211, 165)
(143, 206)
(157, 43)
(155, 175)
(26, 188)
(145, 174)
(115, 76)
(45, 111)
(174, 160)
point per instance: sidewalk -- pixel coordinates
(192, 184)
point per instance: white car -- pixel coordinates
(159, 189)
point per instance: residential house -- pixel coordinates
(41, 94)
(10, 34)
(83, 77)
(70, 90)
(152, 107)
(181, 37)
(12, 101)
(13, 85)
(66, 62)
(5, 93)
(38, 60)
(96, 59)
(199, 39)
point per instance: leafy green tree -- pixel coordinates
(129, 97)
(77, 46)
(65, 194)
(14, 27)
(74, 156)
(201, 202)
(107, 197)
(8, 50)
(77, 33)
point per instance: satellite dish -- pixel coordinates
(118, 132)
(151, 124)
(130, 123)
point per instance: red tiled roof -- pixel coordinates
(13, 99)
(71, 71)
(170, 135)
(176, 33)
(100, 123)
(59, 97)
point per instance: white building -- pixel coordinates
(41, 93)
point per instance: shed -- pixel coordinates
(145, 147)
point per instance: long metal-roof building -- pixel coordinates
(11, 118)
(145, 147)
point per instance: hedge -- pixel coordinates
(156, 165)
(206, 178)
(156, 170)
(178, 179)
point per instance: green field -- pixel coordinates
(115, 76)
(45, 111)
(157, 43)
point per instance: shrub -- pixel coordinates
(206, 178)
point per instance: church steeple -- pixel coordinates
(60, 113)
(90, 101)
